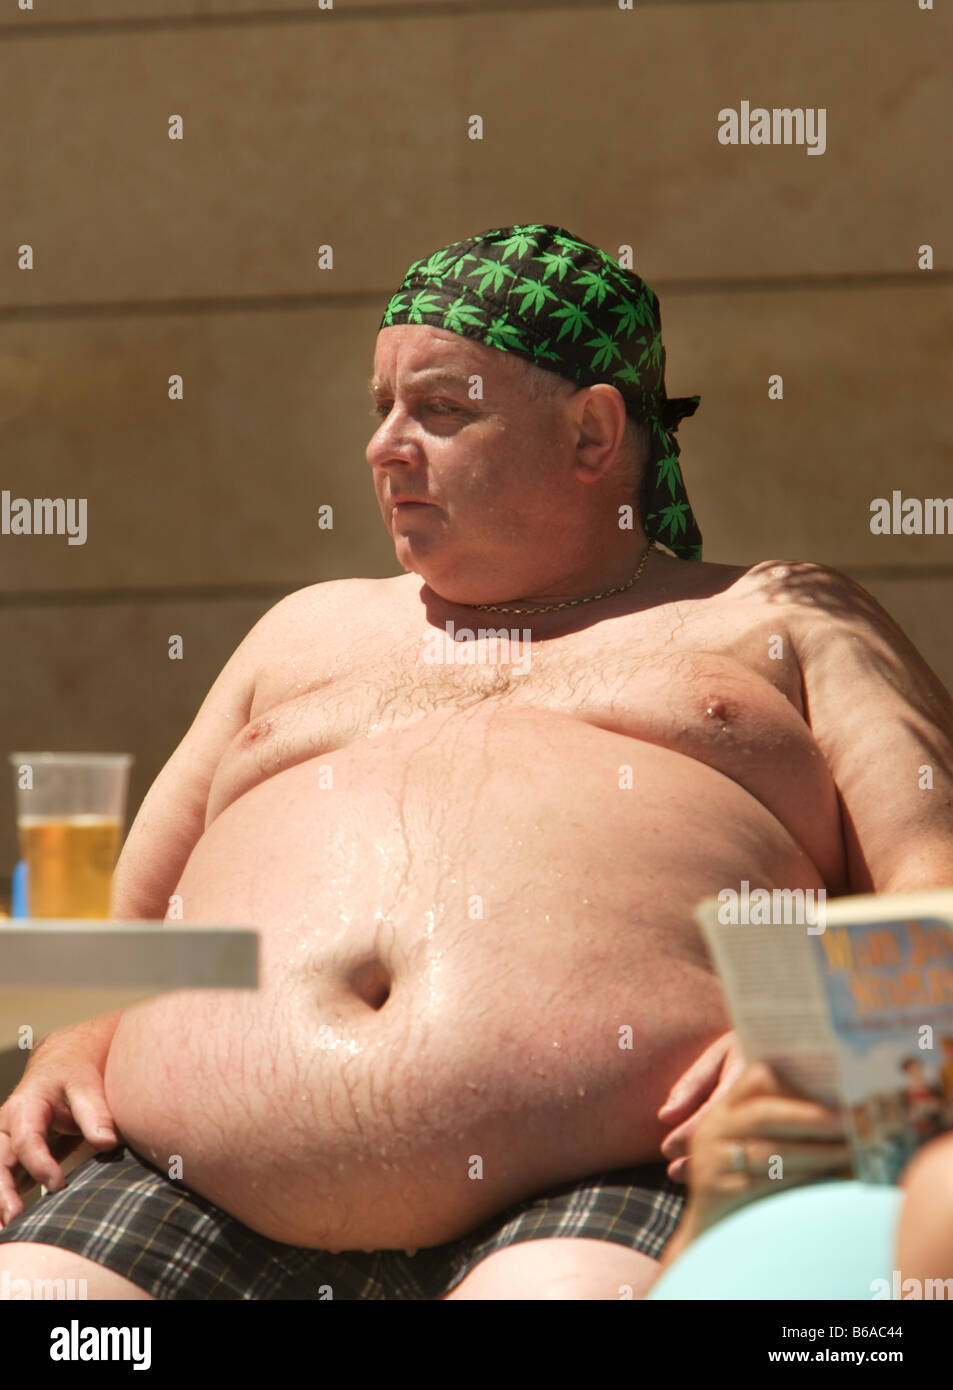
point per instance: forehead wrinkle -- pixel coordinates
(428, 377)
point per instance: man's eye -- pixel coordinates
(381, 409)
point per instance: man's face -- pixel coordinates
(468, 488)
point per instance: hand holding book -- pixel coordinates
(761, 1136)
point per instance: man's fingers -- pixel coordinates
(39, 1131)
(28, 1131)
(88, 1106)
(35, 1157)
(10, 1204)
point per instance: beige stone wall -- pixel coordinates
(306, 126)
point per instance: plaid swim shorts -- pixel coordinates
(130, 1217)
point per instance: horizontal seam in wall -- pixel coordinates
(246, 304)
(410, 10)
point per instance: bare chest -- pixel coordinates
(671, 689)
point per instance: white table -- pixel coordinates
(55, 973)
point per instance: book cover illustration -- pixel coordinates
(889, 989)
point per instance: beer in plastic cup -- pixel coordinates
(70, 813)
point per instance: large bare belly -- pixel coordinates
(525, 916)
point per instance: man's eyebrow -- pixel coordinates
(432, 376)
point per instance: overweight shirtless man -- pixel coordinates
(473, 860)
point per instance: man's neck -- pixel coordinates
(589, 588)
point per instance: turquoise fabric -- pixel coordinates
(831, 1240)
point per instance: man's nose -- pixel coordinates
(393, 441)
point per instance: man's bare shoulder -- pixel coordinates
(807, 589)
(835, 626)
(788, 582)
(798, 584)
(817, 607)
(331, 603)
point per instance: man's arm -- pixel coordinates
(884, 724)
(62, 1089)
(171, 819)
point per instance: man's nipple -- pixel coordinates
(719, 711)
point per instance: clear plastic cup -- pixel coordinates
(71, 808)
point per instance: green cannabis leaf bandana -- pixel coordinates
(564, 305)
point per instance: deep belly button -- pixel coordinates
(370, 981)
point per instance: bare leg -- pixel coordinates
(26, 1260)
(573, 1268)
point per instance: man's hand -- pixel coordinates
(60, 1102)
(693, 1095)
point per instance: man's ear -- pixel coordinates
(599, 417)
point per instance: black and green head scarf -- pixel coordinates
(564, 305)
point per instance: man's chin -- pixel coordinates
(445, 571)
(407, 557)
(420, 555)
